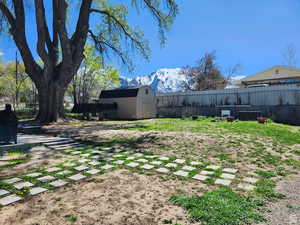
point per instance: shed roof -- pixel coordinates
(284, 72)
(120, 93)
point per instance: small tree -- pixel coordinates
(92, 77)
(14, 84)
(205, 75)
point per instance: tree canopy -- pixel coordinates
(61, 48)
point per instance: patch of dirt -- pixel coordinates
(286, 211)
(39, 156)
(122, 198)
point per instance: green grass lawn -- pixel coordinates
(221, 206)
(285, 134)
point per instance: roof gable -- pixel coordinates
(274, 73)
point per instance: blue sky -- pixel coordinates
(253, 33)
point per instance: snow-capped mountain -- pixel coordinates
(167, 80)
(162, 80)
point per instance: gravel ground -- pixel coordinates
(286, 211)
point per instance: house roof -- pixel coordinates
(120, 93)
(284, 72)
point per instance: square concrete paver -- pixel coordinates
(85, 154)
(230, 170)
(58, 183)
(200, 177)
(130, 158)
(132, 164)
(119, 162)
(195, 163)
(150, 156)
(94, 163)
(93, 171)
(142, 160)
(118, 156)
(12, 180)
(3, 192)
(108, 159)
(83, 160)
(53, 169)
(188, 168)
(37, 190)
(171, 165)
(81, 168)
(250, 180)
(163, 158)
(205, 172)
(213, 167)
(77, 177)
(181, 173)
(22, 185)
(95, 157)
(156, 162)
(65, 172)
(180, 161)
(227, 176)
(147, 167)
(138, 154)
(34, 174)
(223, 182)
(106, 167)
(46, 179)
(247, 187)
(9, 200)
(162, 170)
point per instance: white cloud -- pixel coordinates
(1, 53)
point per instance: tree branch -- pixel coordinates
(10, 18)
(19, 35)
(43, 32)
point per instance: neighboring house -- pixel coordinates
(275, 76)
(133, 103)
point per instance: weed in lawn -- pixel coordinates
(71, 218)
(296, 152)
(266, 174)
(265, 189)
(221, 206)
(57, 199)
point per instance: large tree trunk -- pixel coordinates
(51, 101)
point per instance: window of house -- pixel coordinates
(146, 91)
(277, 71)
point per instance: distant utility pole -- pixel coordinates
(17, 81)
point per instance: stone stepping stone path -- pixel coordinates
(223, 182)
(147, 167)
(133, 164)
(162, 170)
(9, 199)
(37, 190)
(181, 173)
(213, 167)
(58, 183)
(227, 176)
(46, 179)
(12, 180)
(105, 158)
(200, 177)
(22, 185)
(77, 177)
(3, 192)
(188, 168)
(250, 180)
